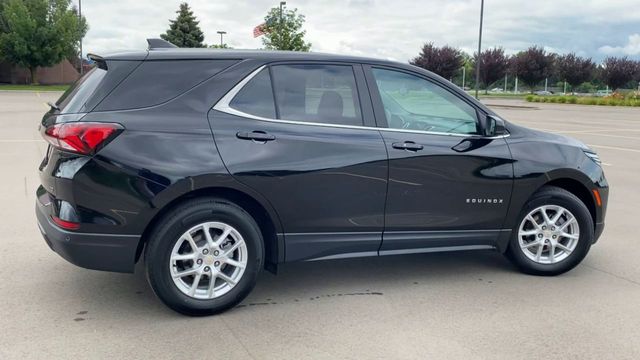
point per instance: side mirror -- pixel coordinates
(494, 126)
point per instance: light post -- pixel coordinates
(80, 28)
(478, 63)
(464, 71)
(282, 3)
(221, 35)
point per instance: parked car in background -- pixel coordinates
(543, 93)
(213, 165)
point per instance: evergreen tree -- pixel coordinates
(184, 30)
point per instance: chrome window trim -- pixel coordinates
(223, 105)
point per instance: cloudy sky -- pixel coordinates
(392, 29)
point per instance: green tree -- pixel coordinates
(184, 30)
(35, 33)
(283, 31)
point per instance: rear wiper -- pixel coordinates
(53, 106)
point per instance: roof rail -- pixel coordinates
(159, 44)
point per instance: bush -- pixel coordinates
(631, 99)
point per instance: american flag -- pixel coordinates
(259, 30)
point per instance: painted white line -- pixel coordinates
(614, 148)
(614, 136)
(20, 140)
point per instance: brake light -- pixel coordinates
(68, 225)
(81, 137)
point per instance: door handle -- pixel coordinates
(258, 136)
(407, 145)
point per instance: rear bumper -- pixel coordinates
(92, 251)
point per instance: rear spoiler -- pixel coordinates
(99, 60)
(159, 44)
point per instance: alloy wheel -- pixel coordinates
(208, 260)
(548, 234)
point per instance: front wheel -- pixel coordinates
(204, 256)
(554, 233)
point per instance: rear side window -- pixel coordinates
(256, 97)
(73, 100)
(317, 93)
(155, 82)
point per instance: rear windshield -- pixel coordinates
(73, 100)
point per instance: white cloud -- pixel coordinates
(632, 47)
(379, 28)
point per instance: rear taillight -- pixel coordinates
(81, 137)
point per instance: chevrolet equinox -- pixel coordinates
(216, 164)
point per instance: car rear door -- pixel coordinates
(303, 136)
(449, 187)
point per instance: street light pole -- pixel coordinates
(478, 63)
(282, 3)
(221, 34)
(79, 26)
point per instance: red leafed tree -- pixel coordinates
(575, 70)
(445, 61)
(493, 66)
(533, 65)
(617, 72)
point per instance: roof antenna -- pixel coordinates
(159, 44)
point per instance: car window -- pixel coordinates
(256, 97)
(413, 103)
(317, 93)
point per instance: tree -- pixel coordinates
(574, 70)
(445, 61)
(283, 30)
(37, 33)
(184, 30)
(493, 66)
(617, 72)
(533, 65)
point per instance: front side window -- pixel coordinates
(317, 93)
(413, 103)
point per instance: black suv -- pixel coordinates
(217, 164)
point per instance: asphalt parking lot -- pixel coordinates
(471, 305)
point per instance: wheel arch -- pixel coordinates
(570, 180)
(265, 216)
(578, 189)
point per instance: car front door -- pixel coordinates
(449, 186)
(302, 135)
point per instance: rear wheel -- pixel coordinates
(204, 256)
(554, 233)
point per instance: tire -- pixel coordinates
(551, 198)
(193, 217)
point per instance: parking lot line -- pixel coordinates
(20, 140)
(614, 148)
